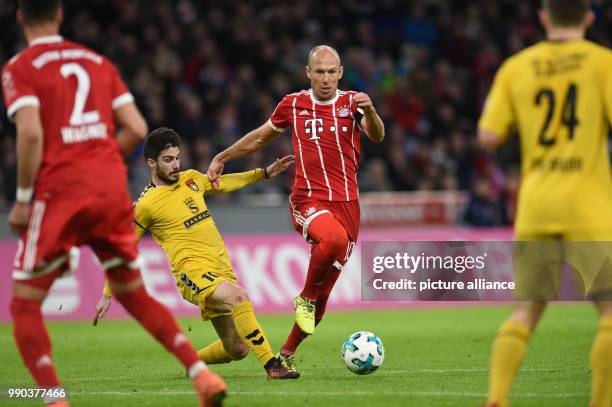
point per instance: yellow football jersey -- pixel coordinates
(558, 96)
(179, 221)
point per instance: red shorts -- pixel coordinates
(105, 222)
(304, 210)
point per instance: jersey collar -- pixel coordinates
(49, 39)
(563, 41)
(324, 102)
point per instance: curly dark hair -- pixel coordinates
(159, 140)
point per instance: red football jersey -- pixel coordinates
(76, 90)
(325, 141)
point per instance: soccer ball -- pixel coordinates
(363, 352)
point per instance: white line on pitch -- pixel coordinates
(378, 373)
(327, 393)
(468, 370)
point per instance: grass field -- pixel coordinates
(433, 358)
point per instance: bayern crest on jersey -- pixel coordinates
(344, 111)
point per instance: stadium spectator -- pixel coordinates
(222, 56)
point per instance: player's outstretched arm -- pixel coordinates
(235, 181)
(253, 141)
(132, 128)
(371, 123)
(29, 157)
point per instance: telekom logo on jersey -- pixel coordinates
(315, 128)
(83, 126)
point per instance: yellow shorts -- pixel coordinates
(539, 260)
(197, 286)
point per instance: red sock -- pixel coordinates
(33, 341)
(154, 317)
(297, 336)
(330, 245)
(324, 293)
(293, 340)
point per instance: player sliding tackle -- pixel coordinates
(326, 124)
(173, 209)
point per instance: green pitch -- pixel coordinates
(434, 357)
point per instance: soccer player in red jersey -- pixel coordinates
(326, 124)
(65, 100)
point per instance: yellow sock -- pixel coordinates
(509, 348)
(601, 365)
(215, 353)
(250, 330)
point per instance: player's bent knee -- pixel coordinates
(29, 292)
(338, 242)
(241, 296)
(225, 297)
(528, 312)
(239, 351)
(236, 296)
(36, 288)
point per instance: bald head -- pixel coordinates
(324, 71)
(323, 51)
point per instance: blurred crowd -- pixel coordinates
(215, 69)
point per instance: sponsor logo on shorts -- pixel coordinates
(196, 219)
(190, 284)
(310, 211)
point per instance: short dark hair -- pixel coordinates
(38, 11)
(159, 140)
(566, 13)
